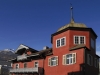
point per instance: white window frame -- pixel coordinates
(96, 62)
(24, 64)
(17, 66)
(79, 39)
(36, 64)
(11, 64)
(92, 43)
(88, 62)
(64, 58)
(49, 61)
(60, 42)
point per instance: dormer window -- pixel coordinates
(60, 42)
(79, 39)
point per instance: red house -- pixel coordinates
(73, 52)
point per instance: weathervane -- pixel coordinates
(72, 19)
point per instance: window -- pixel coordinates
(69, 59)
(60, 42)
(53, 61)
(96, 63)
(92, 43)
(79, 39)
(16, 66)
(89, 60)
(25, 65)
(11, 65)
(36, 64)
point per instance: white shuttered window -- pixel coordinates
(53, 61)
(69, 59)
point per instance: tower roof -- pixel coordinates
(72, 23)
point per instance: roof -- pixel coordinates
(49, 50)
(98, 56)
(73, 28)
(44, 52)
(22, 49)
(72, 24)
(77, 47)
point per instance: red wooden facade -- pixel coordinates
(73, 52)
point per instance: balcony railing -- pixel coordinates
(23, 70)
(21, 57)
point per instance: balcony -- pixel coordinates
(22, 57)
(27, 70)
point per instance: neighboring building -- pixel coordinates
(73, 52)
(4, 69)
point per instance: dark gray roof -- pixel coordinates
(77, 47)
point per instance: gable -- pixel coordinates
(24, 49)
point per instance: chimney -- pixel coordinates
(45, 47)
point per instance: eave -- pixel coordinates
(22, 48)
(74, 28)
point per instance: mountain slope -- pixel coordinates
(6, 55)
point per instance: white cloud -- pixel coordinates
(98, 47)
(98, 52)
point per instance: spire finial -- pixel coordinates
(72, 19)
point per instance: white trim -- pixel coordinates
(55, 60)
(16, 66)
(64, 59)
(11, 64)
(79, 39)
(37, 62)
(49, 63)
(60, 42)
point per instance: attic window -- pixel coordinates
(79, 39)
(60, 42)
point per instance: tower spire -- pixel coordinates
(72, 19)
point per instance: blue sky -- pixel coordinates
(31, 22)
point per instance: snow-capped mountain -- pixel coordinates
(6, 55)
(7, 50)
